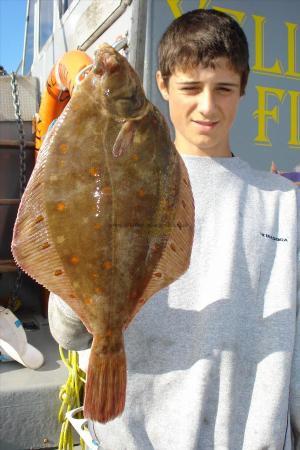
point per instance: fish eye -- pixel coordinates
(127, 98)
(130, 98)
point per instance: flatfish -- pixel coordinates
(107, 218)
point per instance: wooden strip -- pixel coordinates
(9, 143)
(8, 268)
(7, 261)
(9, 201)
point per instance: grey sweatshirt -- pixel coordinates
(214, 359)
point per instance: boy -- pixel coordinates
(210, 357)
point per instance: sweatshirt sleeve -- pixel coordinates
(295, 378)
(66, 327)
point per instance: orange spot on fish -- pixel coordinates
(88, 300)
(74, 260)
(60, 206)
(72, 296)
(94, 171)
(108, 333)
(58, 272)
(141, 193)
(107, 265)
(157, 274)
(45, 245)
(135, 157)
(39, 219)
(63, 148)
(98, 290)
(106, 190)
(94, 275)
(97, 226)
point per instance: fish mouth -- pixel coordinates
(106, 60)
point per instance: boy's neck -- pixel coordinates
(222, 150)
(206, 153)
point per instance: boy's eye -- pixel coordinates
(224, 89)
(197, 89)
(190, 89)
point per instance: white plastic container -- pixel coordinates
(80, 425)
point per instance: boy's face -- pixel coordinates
(203, 103)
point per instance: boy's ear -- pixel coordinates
(161, 85)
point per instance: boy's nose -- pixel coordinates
(206, 103)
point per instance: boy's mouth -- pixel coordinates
(205, 124)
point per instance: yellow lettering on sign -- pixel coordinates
(175, 6)
(239, 16)
(204, 4)
(263, 114)
(292, 53)
(295, 119)
(276, 69)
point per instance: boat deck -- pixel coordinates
(29, 402)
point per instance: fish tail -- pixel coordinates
(105, 389)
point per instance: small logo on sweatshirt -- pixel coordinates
(274, 238)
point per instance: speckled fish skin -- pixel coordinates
(107, 217)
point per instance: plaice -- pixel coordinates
(107, 218)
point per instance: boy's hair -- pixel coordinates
(199, 37)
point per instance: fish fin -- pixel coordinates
(176, 255)
(105, 389)
(33, 247)
(124, 139)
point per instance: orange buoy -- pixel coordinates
(64, 75)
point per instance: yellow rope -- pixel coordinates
(70, 396)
